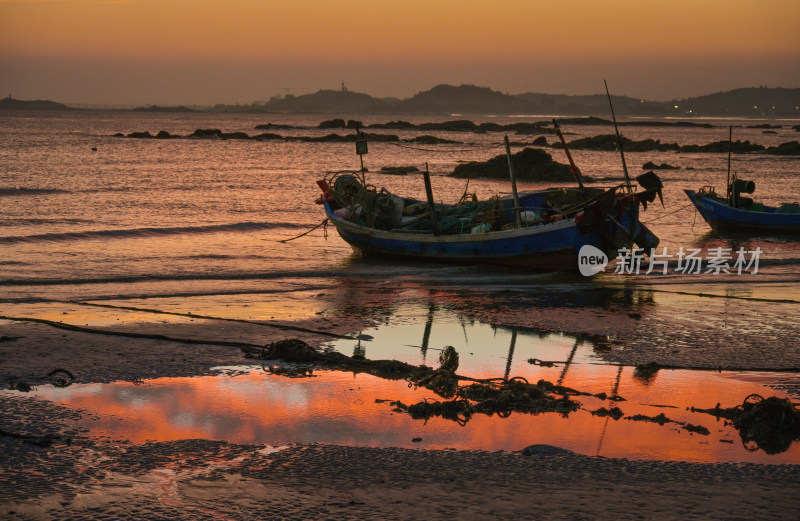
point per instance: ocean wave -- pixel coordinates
(37, 221)
(146, 232)
(21, 190)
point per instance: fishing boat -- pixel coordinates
(735, 212)
(539, 229)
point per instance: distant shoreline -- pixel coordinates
(470, 100)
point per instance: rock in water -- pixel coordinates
(530, 164)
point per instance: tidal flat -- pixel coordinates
(137, 277)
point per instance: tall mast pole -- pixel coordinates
(730, 149)
(619, 140)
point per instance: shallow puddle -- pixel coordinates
(250, 405)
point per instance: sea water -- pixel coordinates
(81, 206)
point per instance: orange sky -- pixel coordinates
(203, 51)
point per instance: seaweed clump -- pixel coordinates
(772, 424)
(614, 412)
(662, 420)
(290, 350)
(646, 371)
(499, 397)
(448, 360)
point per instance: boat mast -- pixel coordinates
(426, 176)
(513, 184)
(730, 149)
(619, 140)
(573, 168)
(361, 149)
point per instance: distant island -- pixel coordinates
(471, 99)
(10, 103)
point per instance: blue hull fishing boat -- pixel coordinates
(541, 229)
(738, 213)
(724, 216)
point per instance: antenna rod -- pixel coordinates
(619, 139)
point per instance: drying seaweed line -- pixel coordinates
(616, 413)
(490, 396)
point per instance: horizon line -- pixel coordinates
(127, 106)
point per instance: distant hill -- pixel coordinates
(465, 98)
(750, 101)
(10, 103)
(158, 108)
(325, 101)
(471, 99)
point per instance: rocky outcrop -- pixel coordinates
(530, 164)
(340, 123)
(608, 143)
(663, 166)
(431, 140)
(398, 170)
(792, 148)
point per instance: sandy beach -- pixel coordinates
(198, 479)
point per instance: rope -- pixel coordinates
(207, 317)
(668, 214)
(323, 223)
(129, 334)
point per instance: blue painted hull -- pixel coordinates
(552, 246)
(724, 217)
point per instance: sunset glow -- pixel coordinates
(342, 409)
(145, 50)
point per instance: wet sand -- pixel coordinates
(197, 479)
(75, 476)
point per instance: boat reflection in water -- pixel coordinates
(250, 405)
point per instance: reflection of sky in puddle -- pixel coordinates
(247, 405)
(417, 336)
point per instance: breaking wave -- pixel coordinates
(145, 232)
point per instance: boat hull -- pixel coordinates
(551, 246)
(725, 218)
